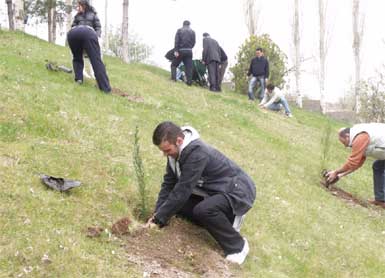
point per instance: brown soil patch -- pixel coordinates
(180, 249)
(94, 231)
(119, 92)
(340, 193)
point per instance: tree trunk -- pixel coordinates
(357, 40)
(297, 54)
(10, 15)
(106, 37)
(54, 23)
(51, 7)
(125, 32)
(19, 14)
(68, 15)
(251, 13)
(322, 54)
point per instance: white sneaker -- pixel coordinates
(289, 115)
(240, 257)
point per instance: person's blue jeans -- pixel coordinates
(253, 81)
(276, 106)
(379, 180)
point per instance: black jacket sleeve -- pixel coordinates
(97, 26)
(205, 51)
(267, 69)
(191, 172)
(193, 39)
(75, 22)
(177, 40)
(250, 69)
(169, 181)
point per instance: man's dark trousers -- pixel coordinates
(186, 57)
(215, 214)
(379, 180)
(213, 70)
(83, 38)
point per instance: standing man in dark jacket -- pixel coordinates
(222, 67)
(84, 37)
(184, 43)
(211, 57)
(259, 69)
(204, 186)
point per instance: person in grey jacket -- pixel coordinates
(211, 57)
(204, 186)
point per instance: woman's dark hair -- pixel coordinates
(86, 5)
(166, 131)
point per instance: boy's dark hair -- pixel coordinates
(166, 131)
(259, 49)
(270, 87)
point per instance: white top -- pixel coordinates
(271, 97)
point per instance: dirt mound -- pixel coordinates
(119, 92)
(180, 249)
(121, 226)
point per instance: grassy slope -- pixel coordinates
(50, 125)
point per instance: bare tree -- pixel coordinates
(11, 21)
(322, 53)
(15, 14)
(125, 31)
(297, 54)
(251, 12)
(358, 32)
(106, 36)
(51, 19)
(68, 11)
(19, 14)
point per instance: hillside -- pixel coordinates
(51, 125)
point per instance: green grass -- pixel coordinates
(49, 124)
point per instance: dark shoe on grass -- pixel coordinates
(59, 184)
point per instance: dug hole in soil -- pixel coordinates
(180, 249)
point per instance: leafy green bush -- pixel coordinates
(372, 99)
(277, 61)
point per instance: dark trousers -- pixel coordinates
(222, 70)
(82, 39)
(186, 57)
(215, 214)
(213, 70)
(379, 180)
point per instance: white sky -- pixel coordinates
(156, 21)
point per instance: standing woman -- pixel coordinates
(84, 37)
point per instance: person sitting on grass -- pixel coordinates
(274, 100)
(204, 186)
